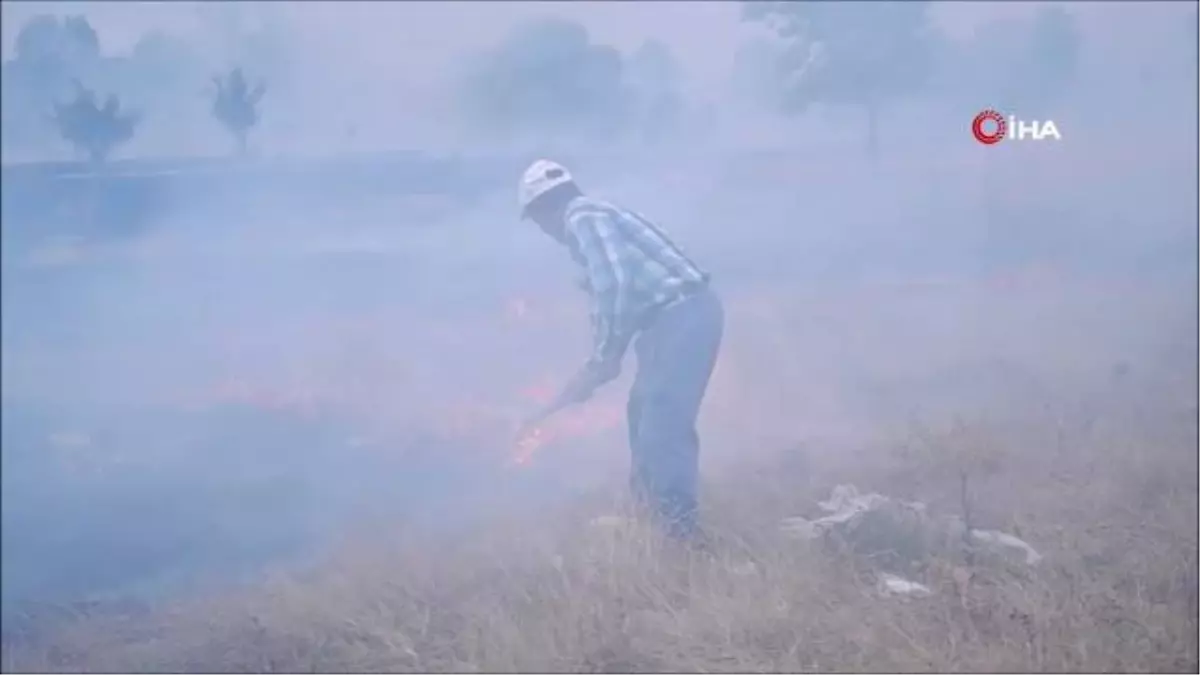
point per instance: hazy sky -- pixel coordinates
(384, 67)
(414, 40)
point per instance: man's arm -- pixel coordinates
(596, 238)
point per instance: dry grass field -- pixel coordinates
(259, 414)
(1088, 453)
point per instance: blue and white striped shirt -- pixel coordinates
(631, 268)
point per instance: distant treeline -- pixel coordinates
(126, 196)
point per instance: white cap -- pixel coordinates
(541, 176)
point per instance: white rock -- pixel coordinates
(1000, 540)
(897, 521)
(890, 584)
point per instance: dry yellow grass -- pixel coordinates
(1110, 497)
(1101, 480)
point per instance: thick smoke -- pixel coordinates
(214, 359)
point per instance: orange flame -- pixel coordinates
(527, 445)
(541, 393)
(585, 422)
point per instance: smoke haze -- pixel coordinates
(244, 362)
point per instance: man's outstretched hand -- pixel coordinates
(580, 388)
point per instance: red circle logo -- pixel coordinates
(989, 136)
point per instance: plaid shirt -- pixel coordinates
(631, 268)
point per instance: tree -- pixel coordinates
(67, 41)
(547, 77)
(859, 54)
(258, 36)
(236, 105)
(1027, 64)
(49, 54)
(93, 129)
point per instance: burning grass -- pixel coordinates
(1109, 497)
(1103, 482)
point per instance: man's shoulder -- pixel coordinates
(588, 218)
(588, 206)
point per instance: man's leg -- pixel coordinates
(676, 356)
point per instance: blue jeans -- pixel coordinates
(675, 356)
